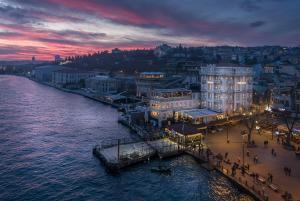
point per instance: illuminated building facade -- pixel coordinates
(226, 88)
(165, 102)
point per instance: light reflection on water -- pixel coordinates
(46, 138)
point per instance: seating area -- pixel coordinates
(261, 179)
(274, 187)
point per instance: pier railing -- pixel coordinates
(114, 142)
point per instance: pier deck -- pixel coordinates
(122, 154)
(138, 149)
(166, 148)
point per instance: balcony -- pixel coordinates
(163, 99)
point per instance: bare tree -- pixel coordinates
(249, 121)
(289, 119)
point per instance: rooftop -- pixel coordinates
(50, 66)
(71, 70)
(185, 128)
(102, 77)
(172, 90)
(152, 73)
(228, 65)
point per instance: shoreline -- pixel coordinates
(75, 92)
(234, 181)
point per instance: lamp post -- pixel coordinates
(273, 125)
(227, 128)
(243, 162)
(272, 131)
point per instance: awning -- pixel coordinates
(198, 113)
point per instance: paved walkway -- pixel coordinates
(267, 163)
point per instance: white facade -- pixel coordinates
(226, 89)
(70, 76)
(102, 85)
(165, 102)
(44, 73)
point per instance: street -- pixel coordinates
(267, 163)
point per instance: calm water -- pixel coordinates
(46, 140)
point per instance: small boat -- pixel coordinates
(161, 170)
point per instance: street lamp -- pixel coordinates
(257, 129)
(243, 167)
(227, 128)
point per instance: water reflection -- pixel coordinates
(46, 138)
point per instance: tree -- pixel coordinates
(289, 121)
(289, 118)
(249, 121)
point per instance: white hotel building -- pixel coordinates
(165, 102)
(226, 89)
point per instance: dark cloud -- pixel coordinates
(196, 22)
(80, 34)
(250, 5)
(9, 34)
(257, 24)
(29, 15)
(14, 49)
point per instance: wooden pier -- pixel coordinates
(121, 153)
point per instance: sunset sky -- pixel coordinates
(43, 28)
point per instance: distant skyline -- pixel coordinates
(44, 28)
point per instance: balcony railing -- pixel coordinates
(156, 98)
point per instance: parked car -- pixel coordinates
(220, 129)
(277, 133)
(213, 129)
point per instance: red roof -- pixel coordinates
(186, 128)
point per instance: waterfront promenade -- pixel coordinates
(212, 147)
(267, 163)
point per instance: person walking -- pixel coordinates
(207, 154)
(256, 159)
(285, 171)
(271, 178)
(263, 191)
